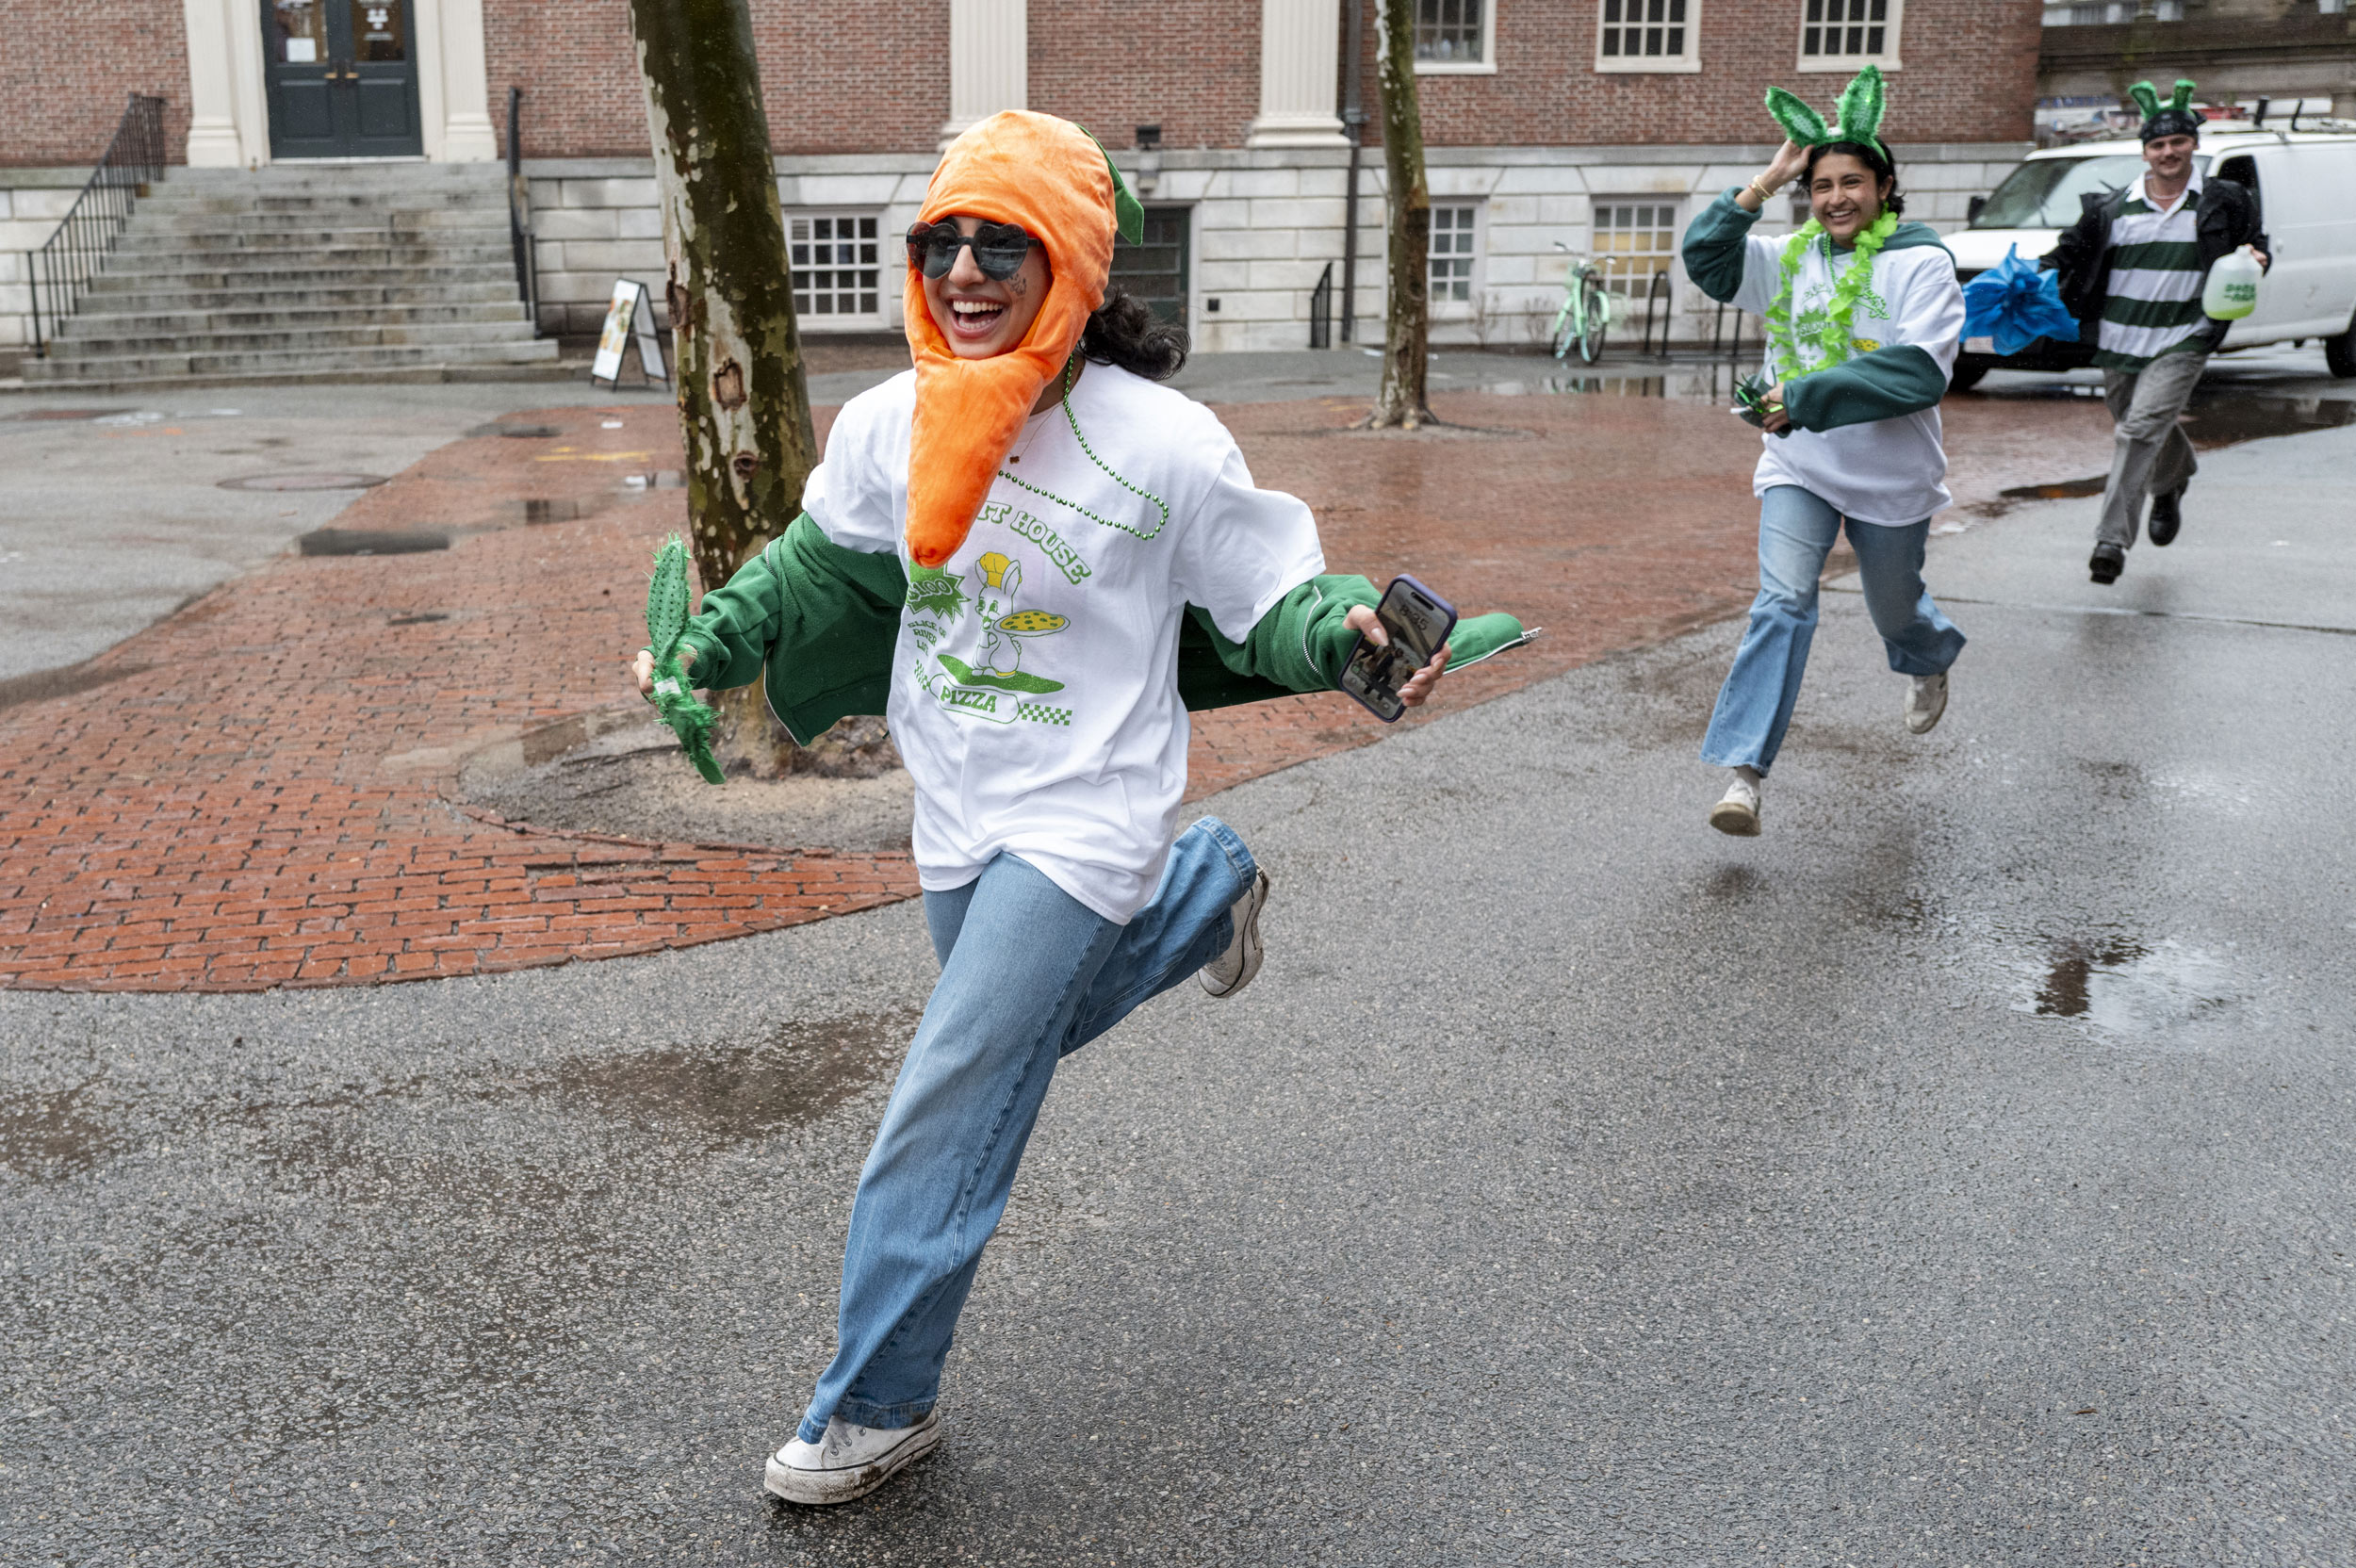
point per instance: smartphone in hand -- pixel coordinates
(1418, 621)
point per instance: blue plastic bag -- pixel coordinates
(2015, 302)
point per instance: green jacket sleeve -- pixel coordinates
(1881, 384)
(1302, 644)
(1716, 246)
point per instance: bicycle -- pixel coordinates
(1586, 312)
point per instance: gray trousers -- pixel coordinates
(2151, 454)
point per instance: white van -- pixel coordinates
(2306, 181)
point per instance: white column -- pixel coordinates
(466, 132)
(1299, 61)
(990, 61)
(213, 138)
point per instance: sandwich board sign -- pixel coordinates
(628, 317)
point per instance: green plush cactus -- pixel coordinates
(1859, 117)
(666, 617)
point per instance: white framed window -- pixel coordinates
(1648, 35)
(1455, 36)
(837, 267)
(1633, 241)
(1455, 249)
(1846, 35)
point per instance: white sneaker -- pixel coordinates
(849, 1462)
(1926, 699)
(1232, 970)
(1738, 812)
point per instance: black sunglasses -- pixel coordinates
(999, 249)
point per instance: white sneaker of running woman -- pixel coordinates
(1738, 812)
(1232, 970)
(1926, 699)
(849, 1462)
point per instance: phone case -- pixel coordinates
(1382, 702)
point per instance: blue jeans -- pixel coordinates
(1797, 529)
(1028, 975)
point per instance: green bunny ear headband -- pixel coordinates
(2147, 97)
(1859, 117)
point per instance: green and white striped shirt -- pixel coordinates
(2154, 303)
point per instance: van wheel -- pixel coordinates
(1968, 374)
(2339, 353)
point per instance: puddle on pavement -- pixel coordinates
(2127, 986)
(2068, 489)
(50, 1137)
(521, 432)
(535, 510)
(364, 541)
(662, 479)
(424, 619)
(733, 1095)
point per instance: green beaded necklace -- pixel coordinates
(1071, 374)
(1846, 291)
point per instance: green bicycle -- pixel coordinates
(1586, 312)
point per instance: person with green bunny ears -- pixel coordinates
(2131, 270)
(1864, 315)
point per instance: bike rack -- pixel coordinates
(1656, 294)
(1733, 348)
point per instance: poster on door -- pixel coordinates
(629, 316)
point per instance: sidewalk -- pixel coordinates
(253, 793)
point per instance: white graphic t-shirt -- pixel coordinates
(1035, 685)
(1885, 470)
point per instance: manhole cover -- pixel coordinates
(365, 541)
(519, 432)
(303, 481)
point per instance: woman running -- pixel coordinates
(1863, 315)
(1037, 555)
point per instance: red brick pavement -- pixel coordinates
(258, 797)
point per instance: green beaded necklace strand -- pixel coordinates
(1846, 291)
(1071, 374)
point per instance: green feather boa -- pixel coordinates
(1847, 289)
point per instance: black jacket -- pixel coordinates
(2225, 218)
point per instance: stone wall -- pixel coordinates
(32, 203)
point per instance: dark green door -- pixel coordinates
(342, 78)
(1156, 270)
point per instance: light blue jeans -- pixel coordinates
(1797, 529)
(1028, 975)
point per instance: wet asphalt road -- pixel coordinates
(1959, 1174)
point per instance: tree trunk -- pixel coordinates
(1407, 317)
(743, 404)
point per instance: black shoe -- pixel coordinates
(2108, 562)
(2166, 517)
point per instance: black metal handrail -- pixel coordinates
(63, 266)
(519, 213)
(1655, 295)
(1321, 310)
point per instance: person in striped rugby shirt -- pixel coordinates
(2131, 271)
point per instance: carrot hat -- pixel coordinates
(1054, 180)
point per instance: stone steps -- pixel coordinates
(253, 315)
(305, 272)
(124, 370)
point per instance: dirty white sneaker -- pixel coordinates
(1738, 812)
(1232, 970)
(1926, 699)
(849, 1462)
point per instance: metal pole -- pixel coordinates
(1353, 118)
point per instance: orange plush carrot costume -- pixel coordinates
(1052, 179)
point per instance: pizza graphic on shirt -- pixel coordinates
(984, 677)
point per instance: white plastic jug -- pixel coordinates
(2233, 287)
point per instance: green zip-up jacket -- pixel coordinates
(817, 623)
(1882, 383)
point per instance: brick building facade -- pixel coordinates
(1552, 125)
